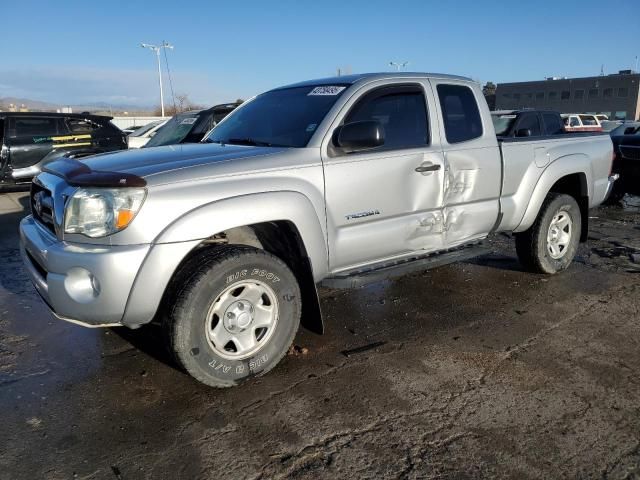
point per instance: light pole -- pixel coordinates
(156, 48)
(398, 65)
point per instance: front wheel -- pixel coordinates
(551, 243)
(233, 314)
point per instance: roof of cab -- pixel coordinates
(360, 77)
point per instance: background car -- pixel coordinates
(139, 137)
(526, 123)
(31, 139)
(581, 122)
(190, 127)
(626, 146)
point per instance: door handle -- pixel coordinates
(428, 167)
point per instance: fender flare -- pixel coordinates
(572, 164)
(207, 220)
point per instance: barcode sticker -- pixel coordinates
(326, 90)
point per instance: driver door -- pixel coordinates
(385, 202)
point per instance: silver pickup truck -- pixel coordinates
(340, 181)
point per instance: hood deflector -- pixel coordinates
(79, 174)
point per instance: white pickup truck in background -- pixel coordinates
(340, 181)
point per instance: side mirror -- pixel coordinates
(523, 132)
(358, 136)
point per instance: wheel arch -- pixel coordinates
(282, 223)
(570, 175)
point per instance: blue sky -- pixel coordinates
(75, 52)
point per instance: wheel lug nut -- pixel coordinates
(230, 315)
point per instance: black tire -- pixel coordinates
(532, 245)
(197, 286)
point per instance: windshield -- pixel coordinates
(279, 118)
(502, 123)
(142, 130)
(174, 131)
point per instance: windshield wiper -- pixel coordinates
(245, 141)
(251, 142)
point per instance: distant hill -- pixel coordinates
(97, 107)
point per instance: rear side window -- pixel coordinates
(401, 111)
(34, 126)
(81, 125)
(552, 124)
(530, 122)
(589, 120)
(460, 113)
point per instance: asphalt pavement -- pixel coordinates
(473, 370)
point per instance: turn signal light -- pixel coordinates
(124, 218)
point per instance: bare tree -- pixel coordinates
(183, 104)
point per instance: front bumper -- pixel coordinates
(81, 283)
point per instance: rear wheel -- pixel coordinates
(551, 243)
(233, 315)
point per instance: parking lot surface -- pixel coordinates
(472, 370)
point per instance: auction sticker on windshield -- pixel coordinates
(326, 90)
(188, 121)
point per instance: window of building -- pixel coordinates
(565, 95)
(607, 92)
(507, 95)
(540, 96)
(578, 94)
(623, 92)
(401, 111)
(553, 95)
(528, 96)
(462, 120)
(516, 96)
(552, 124)
(593, 93)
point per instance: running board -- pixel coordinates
(398, 268)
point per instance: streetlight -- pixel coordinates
(156, 48)
(398, 65)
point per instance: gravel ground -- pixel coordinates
(476, 370)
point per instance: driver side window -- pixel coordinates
(401, 111)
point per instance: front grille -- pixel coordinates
(42, 207)
(631, 152)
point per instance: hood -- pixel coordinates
(146, 162)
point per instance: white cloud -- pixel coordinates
(76, 85)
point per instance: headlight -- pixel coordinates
(98, 212)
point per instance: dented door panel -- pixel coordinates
(381, 207)
(471, 193)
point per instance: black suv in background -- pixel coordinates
(527, 123)
(626, 146)
(31, 139)
(190, 127)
